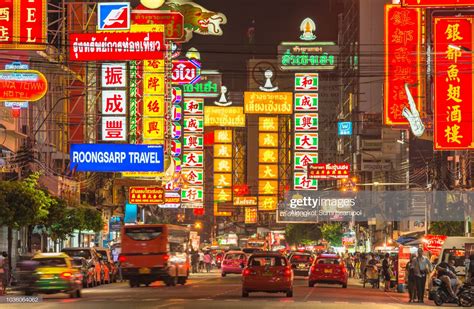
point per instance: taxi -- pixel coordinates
(232, 263)
(267, 272)
(301, 263)
(328, 268)
(56, 274)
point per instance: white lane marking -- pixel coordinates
(308, 295)
(231, 300)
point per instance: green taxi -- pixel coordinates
(56, 274)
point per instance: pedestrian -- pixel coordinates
(422, 268)
(386, 273)
(4, 270)
(410, 279)
(201, 261)
(363, 264)
(208, 261)
(349, 265)
(195, 261)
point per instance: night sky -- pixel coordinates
(275, 21)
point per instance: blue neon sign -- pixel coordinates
(344, 128)
(117, 158)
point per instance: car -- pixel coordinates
(250, 251)
(328, 268)
(232, 263)
(300, 263)
(267, 272)
(105, 257)
(56, 274)
(88, 278)
(92, 259)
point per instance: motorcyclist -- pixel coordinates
(446, 273)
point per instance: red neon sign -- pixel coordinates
(173, 22)
(116, 46)
(402, 61)
(433, 243)
(437, 3)
(22, 85)
(453, 119)
(328, 170)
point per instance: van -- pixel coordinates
(454, 246)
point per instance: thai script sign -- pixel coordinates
(146, 195)
(305, 56)
(173, 22)
(208, 87)
(186, 72)
(217, 116)
(116, 46)
(268, 103)
(328, 170)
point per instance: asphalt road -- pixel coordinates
(212, 291)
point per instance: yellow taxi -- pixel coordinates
(56, 274)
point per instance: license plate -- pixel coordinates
(301, 266)
(47, 276)
(144, 270)
(328, 271)
(268, 274)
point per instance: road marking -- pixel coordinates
(308, 295)
(204, 299)
(231, 300)
(151, 299)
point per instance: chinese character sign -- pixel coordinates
(453, 127)
(114, 75)
(114, 102)
(114, 129)
(402, 61)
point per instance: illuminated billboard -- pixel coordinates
(268, 103)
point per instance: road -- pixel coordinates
(212, 291)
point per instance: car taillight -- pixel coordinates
(246, 272)
(166, 257)
(122, 259)
(66, 275)
(287, 272)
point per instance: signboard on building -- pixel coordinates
(438, 3)
(307, 56)
(146, 195)
(173, 22)
(453, 80)
(306, 82)
(208, 87)
(116, 158)
(302, 159)
(306, 102)
(23, 24)
(114, 75)
(329, 170)
(245, 201)
(114, 129)
(117, 46)
(186, 72)
(268, 103)
(306, 122)
(113, 16)
(344, 128)
(301, 181)
(250, 215)
(306, 141)
(402, 61)
(230, 116)
(22, 85)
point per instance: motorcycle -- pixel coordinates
(442, 296)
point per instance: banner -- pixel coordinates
(146, 195)
(329, 171)
(117, 158)
(402, 61)
(453, 119)
(116, 46)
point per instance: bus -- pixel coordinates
(154, 252)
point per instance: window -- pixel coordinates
(143, 233)
(300, 258)
(77, 262)
(234, 256)
(78, 253)
(329, 261)
(267, 261)
(51, 262)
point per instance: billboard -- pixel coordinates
(453, 108)
(268, 103)
(173, 22)
(218, 116)
(116, 46)
(437, 3)
(22, 85)
(186, 72)
(113, 16)
(402, 61)
(116, 158)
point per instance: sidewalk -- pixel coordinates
(213, 273)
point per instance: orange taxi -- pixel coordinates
(267, 272)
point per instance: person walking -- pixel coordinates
(207, 261)
(349, 265)
(201, 261)
(386, 273)
(363, 264)
(410, 279)
(422, 267)
(4, 269)
(195, 261)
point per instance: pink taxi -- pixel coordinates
(233, 263)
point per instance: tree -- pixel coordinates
(22, 203)
(448, 228)
(302, 233)
(332, 232)
(61, 220)
(88, 218)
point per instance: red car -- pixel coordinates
(267, 272)
(232, 263)
(328, 268)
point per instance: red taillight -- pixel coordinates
(287, 272)
(122, 258)
(66, 275)
(246, 272)
(166, 257)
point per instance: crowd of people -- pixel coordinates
(202, 261)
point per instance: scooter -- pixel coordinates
(466, 295)
(441, 295)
